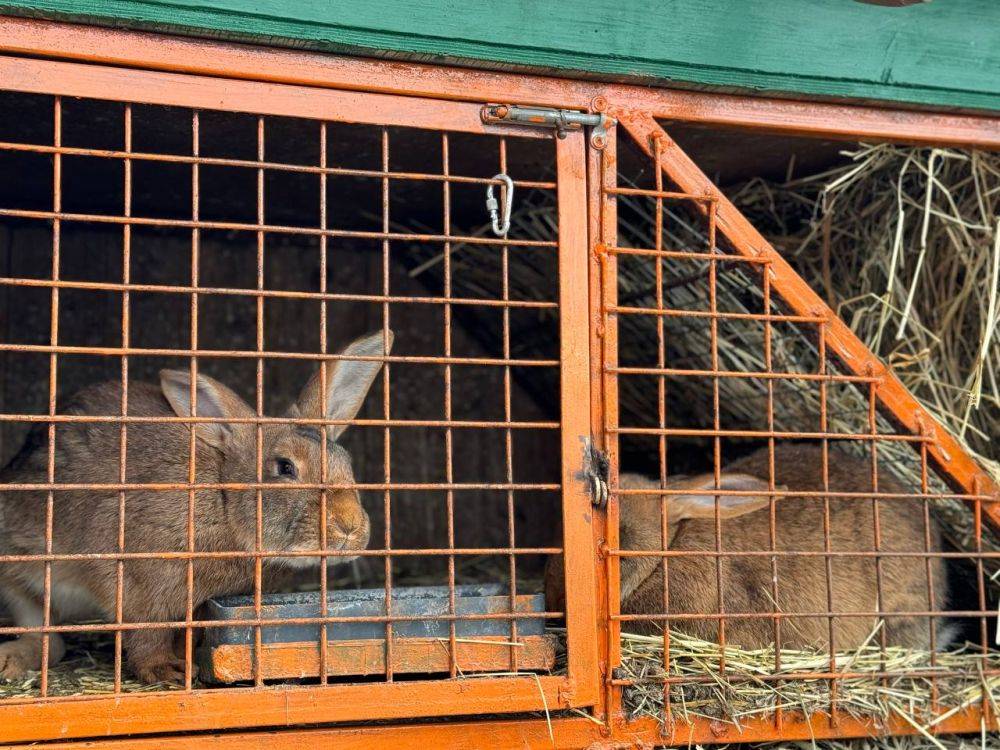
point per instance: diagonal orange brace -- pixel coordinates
(949, 457)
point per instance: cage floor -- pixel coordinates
(895, 682)
(89, 665)
(87, 669)
(738, 693)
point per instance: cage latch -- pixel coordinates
(563, 120)
(493, 206)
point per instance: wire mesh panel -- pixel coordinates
(288, 432)
(207, 283)
(779, 496)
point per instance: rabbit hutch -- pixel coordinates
(452, 379)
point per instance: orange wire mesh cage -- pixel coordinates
(786, 504)
(202, 260)
(295, 434)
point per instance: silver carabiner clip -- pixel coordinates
(493, 206)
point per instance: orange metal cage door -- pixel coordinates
(843, 359)
(259, 706)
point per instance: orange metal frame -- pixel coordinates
(158, 52)
(555, 732)
(194, 710)
(145, 68)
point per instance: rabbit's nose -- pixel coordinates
(350, 528)
(353, 525)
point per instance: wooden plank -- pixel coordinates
(169, 89)
(240, 707)
(938, 54)
(574, 387)
(234, 663)
(853, 122)
(555, 732)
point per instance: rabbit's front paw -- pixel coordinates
(163, 669)
(17, 658)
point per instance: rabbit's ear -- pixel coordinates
(347, 382)
(730, 506)
(213, 400)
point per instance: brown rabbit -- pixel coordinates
(155, 590)
(802, 581)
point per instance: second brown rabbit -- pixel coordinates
(156, 522)
(801, 580)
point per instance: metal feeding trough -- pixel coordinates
(292, 650)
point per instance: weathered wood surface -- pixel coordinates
(282, 661)
(939, 54)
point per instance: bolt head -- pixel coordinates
(599, 104)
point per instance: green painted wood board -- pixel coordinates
(943, 54)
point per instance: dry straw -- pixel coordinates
(745, 690)
(87, 669)
(904, 244)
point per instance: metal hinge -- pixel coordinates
(563, 120)
(596, 468)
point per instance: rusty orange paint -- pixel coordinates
(211, 58)
(261, 98)
(210, 710)
(567, 734)
(578, 517)
(599, 164)
(606, 296)
(280, 661)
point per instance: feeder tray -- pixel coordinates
(359, 648)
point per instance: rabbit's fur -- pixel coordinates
(155, 590)
(802, 581)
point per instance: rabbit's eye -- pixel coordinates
(285, 468)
